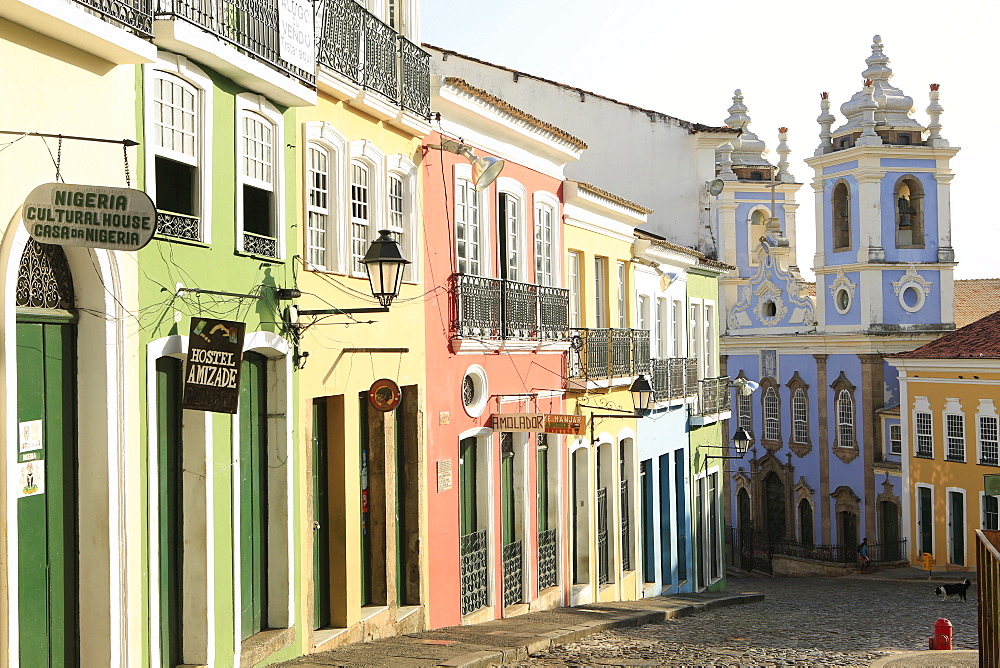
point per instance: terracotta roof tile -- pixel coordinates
(614, 198)
(481, 94)
(653, 115)
(891, 411)
(976, 298)
(979, 340)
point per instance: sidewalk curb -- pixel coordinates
(570, 634)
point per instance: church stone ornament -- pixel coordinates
(842, 291)
(911, 290)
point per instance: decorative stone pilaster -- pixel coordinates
(726, 172)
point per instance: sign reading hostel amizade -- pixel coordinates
(212, 374)
(90, 216)
(538, 422)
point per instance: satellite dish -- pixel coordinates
(715, 187)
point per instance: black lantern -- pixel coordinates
(385, 264)
(742, 440)
(642, 393)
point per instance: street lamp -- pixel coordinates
(385, 264)
(742, 440)
(642, 394)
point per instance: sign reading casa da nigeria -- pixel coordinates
(212, 375)
(90, 216)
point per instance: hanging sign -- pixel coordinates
(296, 34)
(548, 423)
(89, 216)
(384, 394)
(212, 375)
(991, 484)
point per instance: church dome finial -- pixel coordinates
(748, 149)
(893, 107)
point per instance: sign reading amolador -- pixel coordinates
(90, 216)
(212, 375)
(548, 423)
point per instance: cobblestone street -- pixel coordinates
(848, 621)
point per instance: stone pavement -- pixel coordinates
(515, 638)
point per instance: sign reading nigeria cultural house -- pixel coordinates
(212, 374)
(89, 216)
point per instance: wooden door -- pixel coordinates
(170, 507)
(253, 494)
(322, 580)
(956, 527)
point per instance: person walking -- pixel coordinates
(863, 555)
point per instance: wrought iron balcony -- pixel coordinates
(133, 15)
(475, 578)
(178, 226)
(494, 308)
(600, 354)
(674, 378)
(513, 579)
(353, 42)
(548, 569)
(251, 26)
(256, 244)
(713, 396)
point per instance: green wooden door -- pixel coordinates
(321, 516)
(253, 494)
(401, 498)
(169, 387)
(467, 485)
(366, 526)
(46, 515)
(507, 486)
(542, 480)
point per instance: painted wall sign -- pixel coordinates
(538, 422)
(444, 468)
(296, 34)
(89, 216)
(212, 376)
(384, 394)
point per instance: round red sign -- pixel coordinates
(384, 394)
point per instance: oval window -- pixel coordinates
(843, 300)
(770, 309)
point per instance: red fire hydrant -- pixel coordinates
(942, 635)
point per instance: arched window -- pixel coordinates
(361, 214)
(318, 162)
(744, 411)
(800, 416)
(845, 420)
(772, 415)
(805, 522)
(909, 213)
(841, 216)
(546, 239)
(757, 229)
(259, 204)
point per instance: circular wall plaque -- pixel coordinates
(384, 394)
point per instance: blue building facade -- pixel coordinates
(823, 469)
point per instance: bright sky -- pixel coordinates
(685, 59)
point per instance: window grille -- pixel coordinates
(925, 439)
(800, 417)
(744, 407)
(955, 427)
(845, 420)
(989, 449)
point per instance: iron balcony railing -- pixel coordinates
(353, 42)
(513, 589)
(602, 536)
(475, 579)
(258, 244)
(494, 308)
(713, 396)
(988, 586)
(548, 573)
(599, 354)
(133, 15)
(178, 226)
(671, 376)
(251, 26)
(841, 554)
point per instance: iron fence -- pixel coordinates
(251, 26)
(602, 536)
(133, 15)
(626, 532)
(494, 308)
(355, 43)
(513, 588)
(548, 574)
(475, 580)
(750, 550)
(988, 588)
(669, 377)
(599, 354)
(713, 395)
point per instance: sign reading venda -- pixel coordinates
(91, 216)
(538, 422)
(212, 376)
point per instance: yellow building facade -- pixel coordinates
(949, 395)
